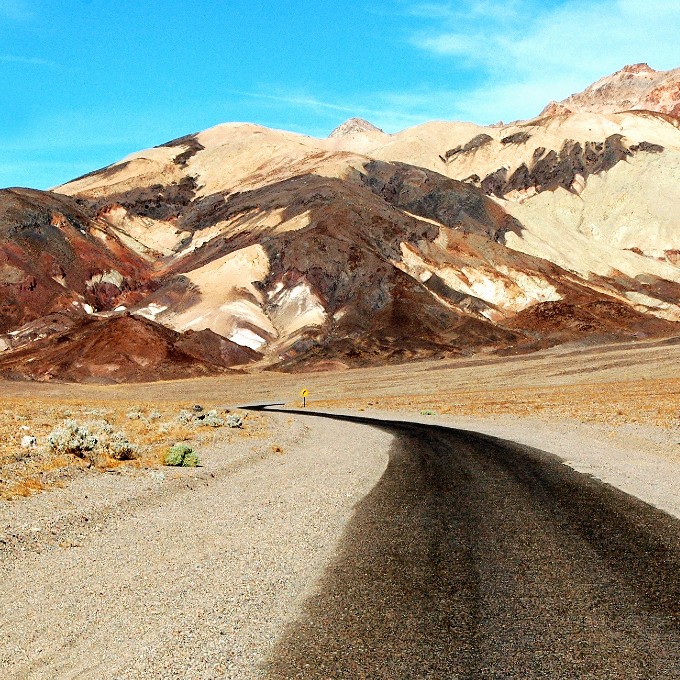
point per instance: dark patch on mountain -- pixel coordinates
(434, 196)
(193, 146)
(475, 143)
(159, 202)
(516, 138)
(648, 147)
(550, 170)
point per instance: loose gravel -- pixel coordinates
(182, 573)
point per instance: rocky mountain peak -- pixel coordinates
(635, 86)
(637, 68)
(354, 126)
(555, 109)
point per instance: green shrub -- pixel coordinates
(181, 455)
(191, 459)
(428, 412)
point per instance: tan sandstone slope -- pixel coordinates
(365, 247)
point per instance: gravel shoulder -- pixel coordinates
(186, 574)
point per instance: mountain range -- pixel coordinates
(246, 246)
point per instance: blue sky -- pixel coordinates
(83, 83)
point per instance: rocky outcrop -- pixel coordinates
(450, 202)
(550, 169)
(191, 147)
(355, 126)
(637, 86)
(475, 143)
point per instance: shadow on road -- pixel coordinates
(478, 558)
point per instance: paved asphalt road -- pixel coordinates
(474, 557)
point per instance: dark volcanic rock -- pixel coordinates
(551, 169)
(474, 144)
(429, 194)
(517, 138)
(159, 202)
(192, 147)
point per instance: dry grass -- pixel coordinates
(26, 471)
(635, 383)
(643, 402)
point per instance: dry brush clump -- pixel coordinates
(97, 435)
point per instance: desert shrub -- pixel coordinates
(91, 439)
(135, 414)
(181, 455)
(118, 447)
(155, 415)
(428, 412)
(96, 412)
(185, 417)
(72, 438)
(99, 428)
(191, 459)
(212, 419)
(234, 420)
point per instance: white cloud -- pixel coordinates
(384, 110)
(527, 52)
(29, 61)
(14, 9)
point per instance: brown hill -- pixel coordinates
(54, 255)
(636, 86)
(119, 349)
(443, 239)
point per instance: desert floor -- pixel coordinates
(139, 570)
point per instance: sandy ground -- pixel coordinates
(186, 575)
(147, 572)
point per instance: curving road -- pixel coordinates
(475, 557)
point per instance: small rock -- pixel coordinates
(29, 442)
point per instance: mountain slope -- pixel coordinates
(122, 348)
(55, 255)
(441, 240)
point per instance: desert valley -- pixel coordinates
(518, 283)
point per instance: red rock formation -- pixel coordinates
(637, 86)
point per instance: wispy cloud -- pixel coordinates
(529, 47)
(28, 61)
(14, 9)
(385, 111)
